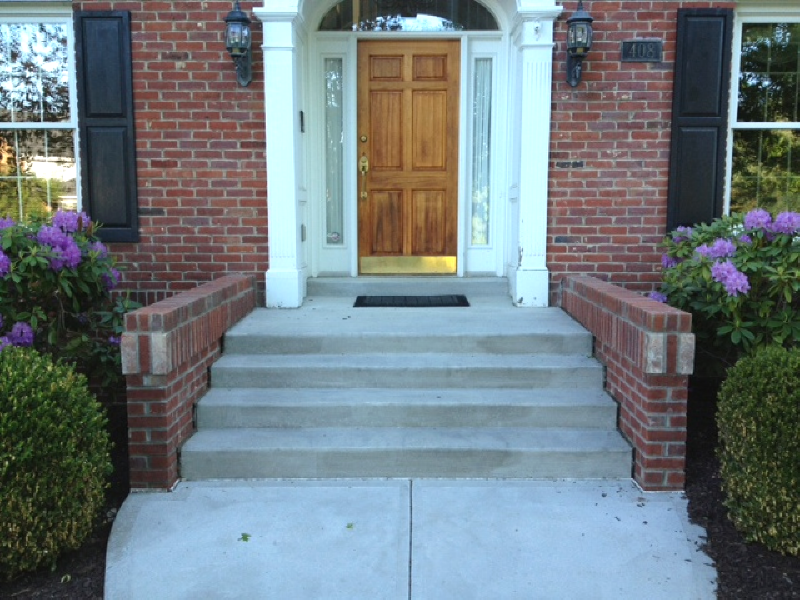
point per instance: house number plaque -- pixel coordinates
(642, 51)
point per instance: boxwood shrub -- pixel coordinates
(54, 460)
(759, 433)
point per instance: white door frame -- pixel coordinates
(527, 33)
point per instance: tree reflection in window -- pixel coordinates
(408, 15)
(34, 73)
(766, 158)
(38, 171)
(766, 170)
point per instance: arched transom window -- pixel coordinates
(408, 15)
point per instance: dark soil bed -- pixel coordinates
(745, 571)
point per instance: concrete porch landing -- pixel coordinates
(407, 539)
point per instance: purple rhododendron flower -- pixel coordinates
(6, 223)
(668, 262)
(727, 274)
(111, 280)
(684, 234)
(100, 248)
(71, 254)
(721, 248)
(21, 334)
(786, 222)
(66, 250)
(745, 239)
(68, 221)
(757, 219)
(4, 341)
(5, 264)
(53, 237)
(657, 296)
(57, 262)
(114, 341)
(703, 250)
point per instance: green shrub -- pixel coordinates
(759, 433)
(54, 460)
(739, 277)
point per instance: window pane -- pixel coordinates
(37, 172)
(34, 74)
(770, 65)
(481, 150)
(334, 137)
(766, 170)
(408, 15)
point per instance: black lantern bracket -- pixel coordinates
(579, 42)
(238, 41)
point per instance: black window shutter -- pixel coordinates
(699, 116)
(105, 122)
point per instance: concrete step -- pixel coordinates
(333, 326)
(429, 370)
(405, 452)
(371, 407)
(408, 341)
(407, 286)
(329, 390)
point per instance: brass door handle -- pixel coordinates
(363, 166)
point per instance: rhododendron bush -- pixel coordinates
(739, 277)
(56, 282)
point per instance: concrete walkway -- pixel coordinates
(401, 539)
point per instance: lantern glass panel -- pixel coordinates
(234, 35)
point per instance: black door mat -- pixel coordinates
(410, 301)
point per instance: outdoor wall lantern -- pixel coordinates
(579, 42)
(238, 41)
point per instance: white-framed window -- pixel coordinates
(764, 158)
(38, 113)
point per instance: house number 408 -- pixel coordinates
(642, 51)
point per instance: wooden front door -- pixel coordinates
(408, 114)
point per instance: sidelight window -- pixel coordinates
(481, 150)
(334, 153)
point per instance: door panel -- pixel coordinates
(429, 131)
(430, 213)
(387, 147)
(386, 222)
(408, 94)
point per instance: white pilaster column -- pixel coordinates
(285, 283)
(534, 41)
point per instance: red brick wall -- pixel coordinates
(167, 349)
(648, 350)
(610, 147)
(201, 151)
(202, 166)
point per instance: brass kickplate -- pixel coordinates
(408, 265)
